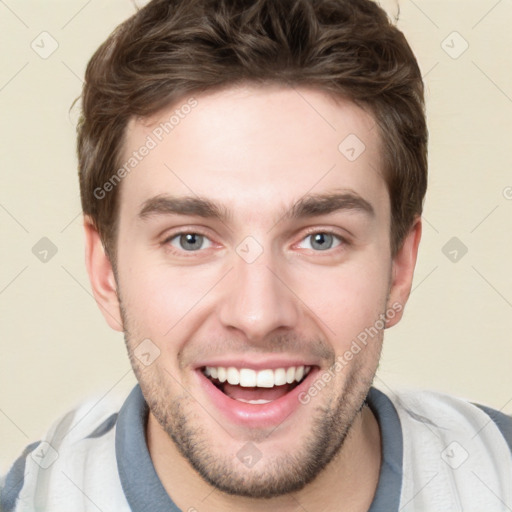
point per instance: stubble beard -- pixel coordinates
(271, 476)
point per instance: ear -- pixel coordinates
(101, 276)
(402, 272)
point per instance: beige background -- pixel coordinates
(56, 349)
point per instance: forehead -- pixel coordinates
(254, 148)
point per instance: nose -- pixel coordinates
(257, 301)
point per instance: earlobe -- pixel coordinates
(402, 275)
(101, 276)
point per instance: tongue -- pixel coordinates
(238, 392)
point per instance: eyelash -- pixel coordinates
(314, 231)
(166, 242)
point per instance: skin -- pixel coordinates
(255, 152)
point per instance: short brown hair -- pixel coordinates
(171, 48)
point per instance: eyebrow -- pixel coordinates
(306, 207)
(324, 204)
(188, 205)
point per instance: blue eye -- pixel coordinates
(322, 241)
(190, 242)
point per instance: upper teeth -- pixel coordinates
(246, 377)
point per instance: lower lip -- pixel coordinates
(256, 415)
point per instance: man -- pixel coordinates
(252, 177)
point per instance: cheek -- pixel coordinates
(158, 298)
(348, 299)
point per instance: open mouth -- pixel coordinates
(256, 387)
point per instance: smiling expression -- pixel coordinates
(251, 252)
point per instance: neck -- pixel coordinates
(339, 482)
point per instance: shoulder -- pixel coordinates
(77, 451)
(456, 455)
(450, 414)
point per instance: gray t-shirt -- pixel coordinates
(439, 454)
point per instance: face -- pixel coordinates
(253, 250)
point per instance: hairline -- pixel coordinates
(336, 96)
